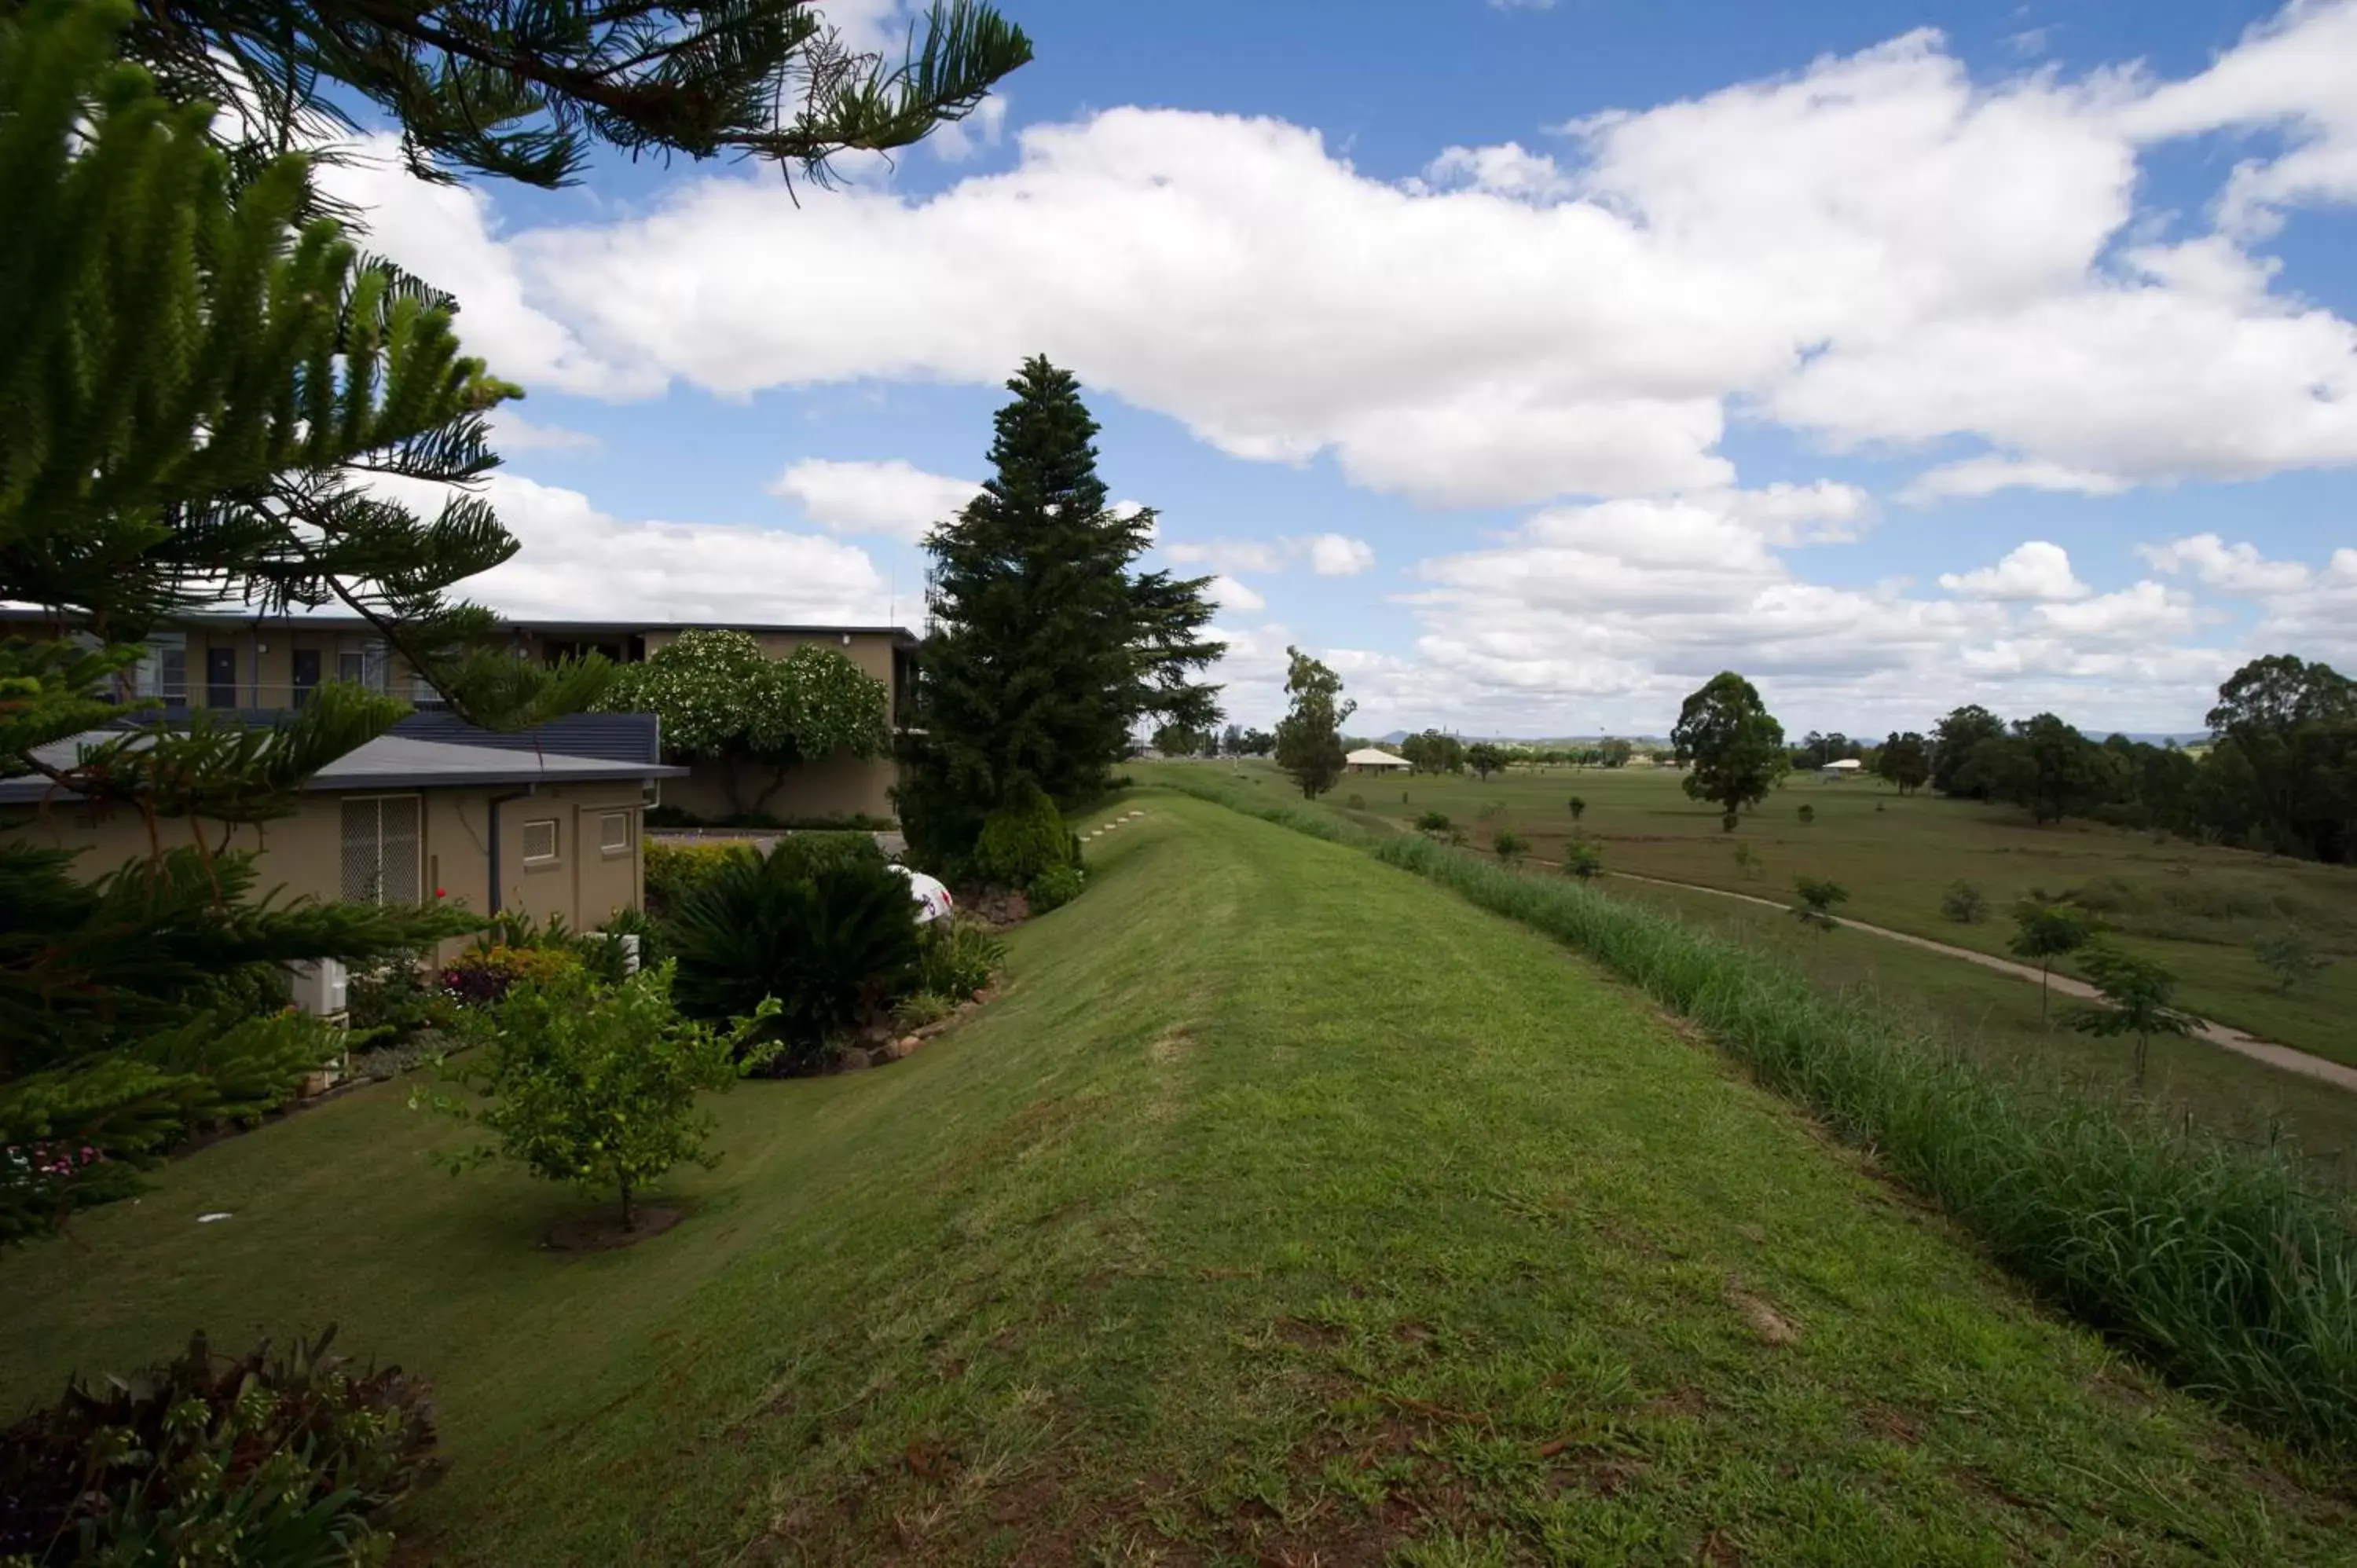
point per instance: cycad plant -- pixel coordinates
(836, 944)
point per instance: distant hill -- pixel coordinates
(1397, 735)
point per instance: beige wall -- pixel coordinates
(303, 854)
(838, 787)
(266, 661)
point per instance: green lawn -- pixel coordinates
(2193, 907)
(1285, 1209)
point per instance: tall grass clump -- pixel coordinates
(2219, 1262)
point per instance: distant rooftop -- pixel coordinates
(336, 620)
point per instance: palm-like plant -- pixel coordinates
(834, 944)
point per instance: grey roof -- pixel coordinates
(393, 762)
(618, 737)
(328, 620)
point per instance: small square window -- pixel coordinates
(540, 841)
(614, 832)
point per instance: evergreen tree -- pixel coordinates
(1310, 736)
(1046, 648)
(1953, 739)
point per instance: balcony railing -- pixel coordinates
(265, 696)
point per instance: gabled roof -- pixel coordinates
(1368, 757)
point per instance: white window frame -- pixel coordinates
(343, 800)
(604, 823)
(556, 842)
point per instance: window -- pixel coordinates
(614, 832)
(381, 846)
(540, 842)
(163, 671)
(364, 661)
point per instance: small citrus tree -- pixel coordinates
(2135, 1000)
(1583, 859)
(1509, 844)
(592, 1085)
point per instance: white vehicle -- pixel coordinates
(932, 900)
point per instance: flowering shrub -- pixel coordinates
(482, 976)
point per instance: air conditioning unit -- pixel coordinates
(319, 986)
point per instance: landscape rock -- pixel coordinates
(852, 1059)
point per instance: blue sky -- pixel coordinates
(1531, 362)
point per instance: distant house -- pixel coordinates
(1847, 765)
(1367, 760)
(546, 821)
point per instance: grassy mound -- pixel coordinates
(1283, 1209)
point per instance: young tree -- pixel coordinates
(1047, 648)
(1584, 859)
(1818, 897)
(1615, 753)
(2291, 957)
(1904, 761)
(1511, 845)
(1747, 862)
(1964, 903)
(1579, 808)
(1485, 760)
(592, 1085)
(720, 696)
(1258, 743)
(1310, 736)
(1732, 746)
(2136, 993)
(2044, 932)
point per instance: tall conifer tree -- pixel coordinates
(1046, 648)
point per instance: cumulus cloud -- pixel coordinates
(1327, 554)
(1875, 250)
(580, 563)
(1339, 555)
(893, 497)
(1231, 596)
(1987, 475)
(513, 433)
(2234, 568)
(2035, 572)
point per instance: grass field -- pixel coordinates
(1285, 1209)
(2194, 908)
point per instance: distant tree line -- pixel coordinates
(2279, 773)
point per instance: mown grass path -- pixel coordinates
(1285, 1209)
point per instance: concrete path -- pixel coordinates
(2233, 1040)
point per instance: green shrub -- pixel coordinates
(2217, 1260)
(836, 947)
(277, 1459)
(923, 1008)
(675, 870)
(1964, 903)
(1808, 814)
(1583, 859)
(1509, 844)
(1357, 802)
(1054, 887)
(480, 977)
(1022, 839)
(807, 851)
(1579, 808)
(960, 957)
(1433, 822)
(1818, 897)
(2291, 957)
(591, 1084)
(397, 1000)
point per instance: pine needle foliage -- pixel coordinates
(1046, 649)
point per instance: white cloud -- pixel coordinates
(2037, 572)
(1231, 596)
(579, 564)
(1329, 554)
(2235, 568)
(961, 139)
(893, 497)
(513, 433)
(2145, 613)
(1987, 476)
(1875, 250)
(1338, 555)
